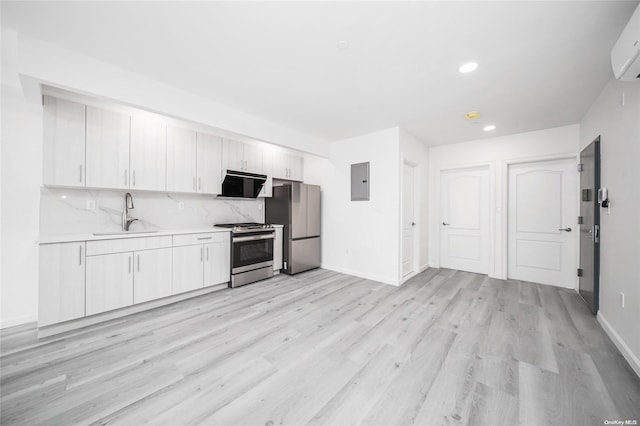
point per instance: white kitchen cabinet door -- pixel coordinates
(296, 167)
(64, 143)
(209, 164)
(107, 149)
(217, 262)
(188, 268)
(148, 154)
(232, 155)
(62, 281)
(288, 166)
(181, 159)
(267, 169)
(277, 249)
(109, 282)
(253, 158)
(280, 165)
(151, 275)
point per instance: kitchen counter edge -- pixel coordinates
(68, 238)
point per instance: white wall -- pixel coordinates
(20, 193)
(619, 128)
(496, 153)
(360, 237)
(416, 152)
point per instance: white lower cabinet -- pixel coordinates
(201, 260)
(217, 262)
(61, 284)
(85, 278)
(109, 282)
(151, 275)
(277, 249)
(188, 268)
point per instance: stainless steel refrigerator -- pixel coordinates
(297, 207)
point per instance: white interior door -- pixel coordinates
(464, 219)
(542, 222)
(408, 220)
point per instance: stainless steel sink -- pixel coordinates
(102, 234)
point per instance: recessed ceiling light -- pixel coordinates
(489, 128)
(343, 44)
(472, 115)
(468, 67)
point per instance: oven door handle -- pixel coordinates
(253, 238)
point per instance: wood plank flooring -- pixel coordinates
(323, 348)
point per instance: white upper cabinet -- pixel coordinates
(241, 156)
(209, 164)
(232, 155)
(253, 158)
(63, 150)
(296, 167)
(267, 169)
(148, 154)
(107, 149)
(181, 159)
(287, 166)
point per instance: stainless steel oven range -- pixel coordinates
(251, 252)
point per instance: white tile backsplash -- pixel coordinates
(64, 211)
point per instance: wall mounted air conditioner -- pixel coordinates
(625, 55)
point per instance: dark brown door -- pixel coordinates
(589, 271)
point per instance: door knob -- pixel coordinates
(445, 224)
(564, 229)
(413, 224)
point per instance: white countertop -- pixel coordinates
(65, 238)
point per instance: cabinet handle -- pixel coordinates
(129, 264)
(138, 263)
(80, 179)
(134, 178)
(205, 238)
(200, 182)
(125, 177)
(80, 257)
(201, 254)
(194, 183)
(207, 254)
(241, 164)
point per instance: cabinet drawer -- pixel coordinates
(120, 245)
(208, 237)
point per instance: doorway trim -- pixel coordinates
(503, 245)
(437, 198)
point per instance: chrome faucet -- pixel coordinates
(128, 204)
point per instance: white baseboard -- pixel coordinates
(631, 358)
(12, 322)
(371, 277)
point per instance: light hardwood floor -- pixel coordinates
(322, 348)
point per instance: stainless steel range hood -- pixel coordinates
(239, 184)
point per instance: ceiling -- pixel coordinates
(541, 64)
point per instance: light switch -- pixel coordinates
(91, 204)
